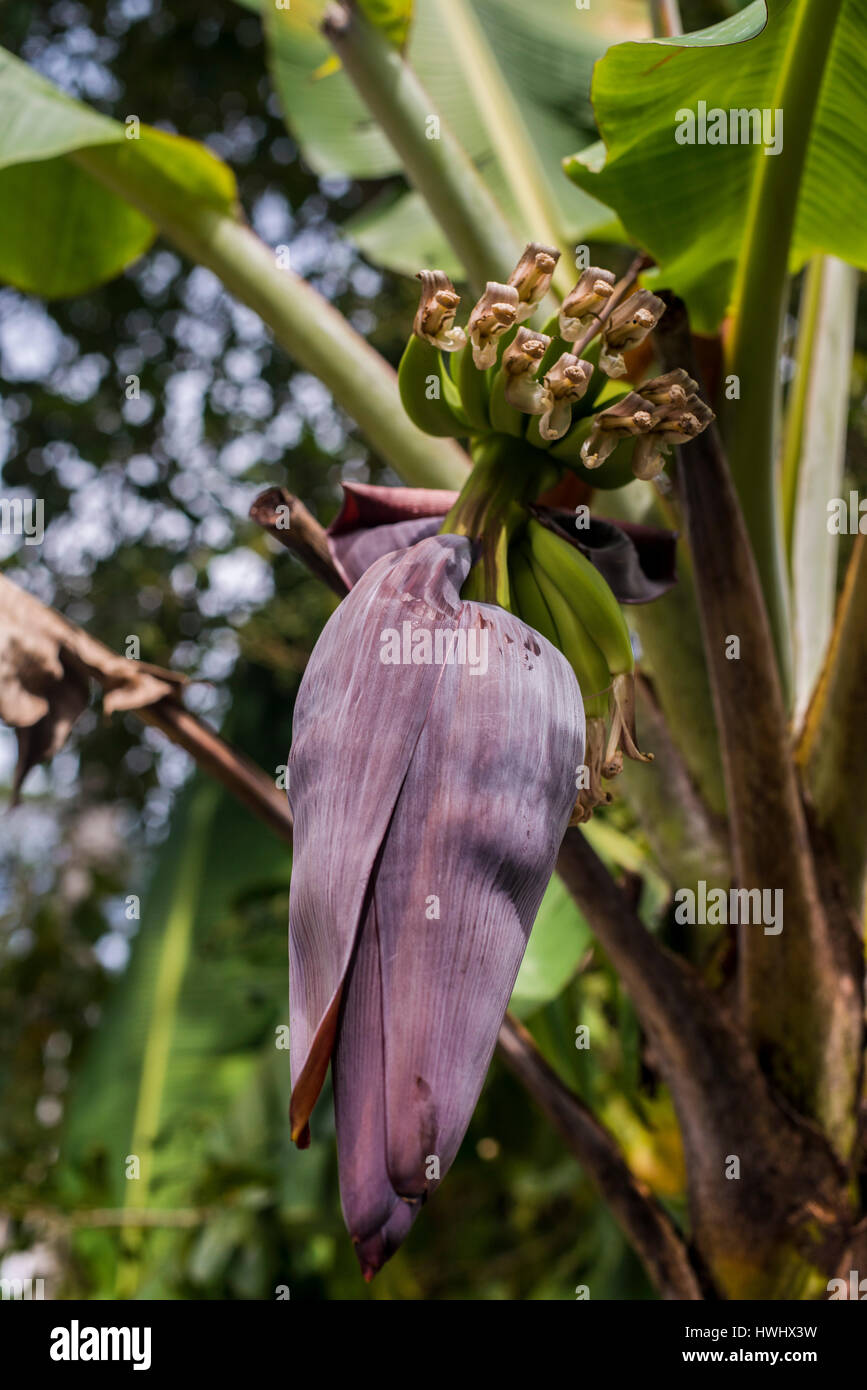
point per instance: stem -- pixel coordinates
(814, 460)
(752, 344)
(833, 748)
(106, 1218)
(237, 773)
(507, 132)
(491, 506)
(689, 843)
(149, 692)
(302, 320)
(646, 1225)
(772, 1244)
(672, 652)
(796, 408)
(439, 168)
(286, 518)
(639, 263)
(800, 1000)
(665, 18)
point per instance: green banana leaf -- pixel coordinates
(253, 1173)
(398, 232)
(559, 939)
(688, 204)
(561, 934)
(63, 232)
(814, 461)
(545, 55)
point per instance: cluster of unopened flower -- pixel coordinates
(667, 410)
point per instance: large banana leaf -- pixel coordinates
(63, 231)
(545, 55)
(559, 939)
(561, 934)
(814, 462)
(689, 204)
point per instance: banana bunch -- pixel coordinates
(557, 591)
(558, 389)
(531, 402)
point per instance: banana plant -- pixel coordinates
(568, 395)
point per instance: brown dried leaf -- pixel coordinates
(46, 664)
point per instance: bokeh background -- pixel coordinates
(122, 870)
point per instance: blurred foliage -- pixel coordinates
(159, 1030)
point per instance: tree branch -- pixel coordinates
(46, 665)
(233, 769)
(286, 518)
(642, 1219)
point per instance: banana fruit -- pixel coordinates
(428, 395)
(576, 644)
(585, 592)
(558, 592)
(539, 603)
(473, 386)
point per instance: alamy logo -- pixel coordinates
(75, 1343)
(739, 126)
(856, 1289)
(847, 519)
(760, 906)
(424, 646)
(18, 1289)
(22, 516)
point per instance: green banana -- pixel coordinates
(576, 644)
(534, 596)
(420, 365)
(505, 417)
(569, 447)
(615, 472)
(585, 591)
(527, 600)
(473, 387)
